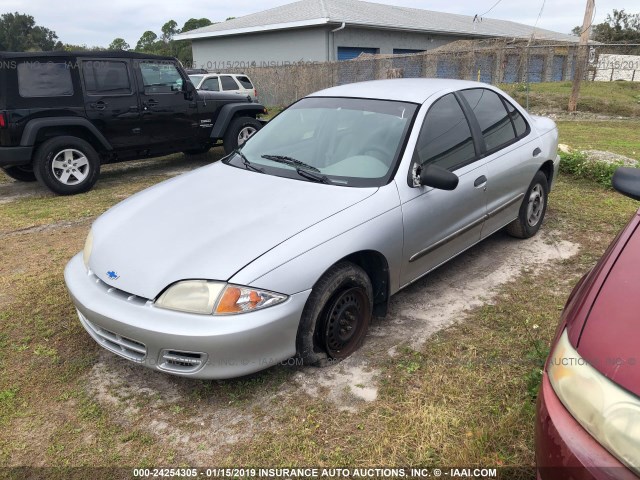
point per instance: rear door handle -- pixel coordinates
(537, 152)
(152, 103)
(98, 105)
(480, 181)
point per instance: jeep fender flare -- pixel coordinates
(31, 129)
(228, 111)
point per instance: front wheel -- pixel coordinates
(336, 317)
(532, 209)
(67, 165)
(238, 132)
(22, 173)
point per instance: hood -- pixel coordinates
(610, 339)
(207, 224)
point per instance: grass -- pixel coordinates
(603, 98)
(622, 137)
(467, 398)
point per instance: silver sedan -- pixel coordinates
(290, 245)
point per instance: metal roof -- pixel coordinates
(307, 13)
(416, 90)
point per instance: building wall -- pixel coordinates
(386, 40)
(261, 49)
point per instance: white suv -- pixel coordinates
(225, 82)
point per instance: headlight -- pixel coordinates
(607, 411)
(216, 298)
(88, 246)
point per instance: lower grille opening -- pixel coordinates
(124, 346)
(183, 362)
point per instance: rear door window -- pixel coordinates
(494, 120)
(106, 78)
(228, 83)
(245, 82)
(49, 79)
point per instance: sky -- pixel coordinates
(98, 22)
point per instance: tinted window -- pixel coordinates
(245, 82)
(195, 79)
(210, 84)
(518, 120)
(106, 77)
(494, 121)
(44, 79)
(228, 83)
(160, 77)
(445, 138)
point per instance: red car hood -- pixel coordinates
(610, 339)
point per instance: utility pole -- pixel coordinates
(582, 55)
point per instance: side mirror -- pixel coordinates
(188, 89)
(438, 177)
(627, 181)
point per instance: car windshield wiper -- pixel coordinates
(314, 177)
(247, 164)
(291, 161)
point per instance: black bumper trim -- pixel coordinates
(10, 156)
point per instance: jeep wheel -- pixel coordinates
(67, 165)
(238, 132)
(22, 173)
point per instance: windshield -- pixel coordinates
(341, 141)
(195, 79)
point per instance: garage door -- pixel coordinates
(349, 53)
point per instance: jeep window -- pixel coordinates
(44, 80)
(159, 77)
(106, 77)
(211, 84)
(245, 82)
(353, 142)
(228, 83)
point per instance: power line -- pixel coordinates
(593, 17)
(494, 6)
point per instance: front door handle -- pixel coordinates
(481, 181)
(152, 103)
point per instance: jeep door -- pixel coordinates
(169, 113)
(111, 101)
(439, 224)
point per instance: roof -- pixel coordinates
(84, 53)
(306, 13)
(416, 90)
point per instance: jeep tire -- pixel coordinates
(66, 165)
(238, 132)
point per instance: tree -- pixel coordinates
(618, 27)
(119, 44)
(169, 29)
(19, 33)
(147, 42)
(194, 23)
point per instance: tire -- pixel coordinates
(238, 132)
(197, 151)
(532, 209)
(75, 153)
(22, 173)
(343, 294)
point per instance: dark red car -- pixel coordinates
(588, 418)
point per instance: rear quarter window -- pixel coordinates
(49, 79)
(245, 82)
(228, 83)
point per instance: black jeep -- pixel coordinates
(63, 114)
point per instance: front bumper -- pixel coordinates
(10, 156)
(566, 450)
(197, 346)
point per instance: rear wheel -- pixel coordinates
(22, 173)
(67, 165)
(239, 131)
(532, 209)
(336, 317)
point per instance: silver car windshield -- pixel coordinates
(195, 79)
(342, 141)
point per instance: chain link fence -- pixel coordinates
(492, 62)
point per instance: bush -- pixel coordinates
(576, 163)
